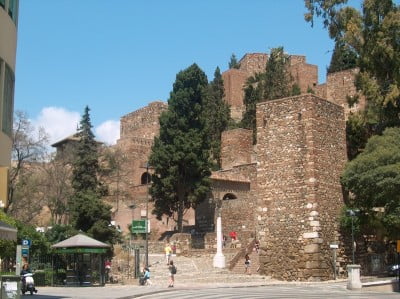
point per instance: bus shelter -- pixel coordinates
(7, 232)
(79, 261)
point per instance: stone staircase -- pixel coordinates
(198, 270)
(239, 268)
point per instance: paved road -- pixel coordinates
(277, 292)
(206, 292)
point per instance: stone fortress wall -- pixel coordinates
(285, 189)
(301, 154)
(137, 133)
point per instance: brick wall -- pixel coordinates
(301, 153)
(340, 85)
(236, 147)
(304, 74)
(234, 81)
(142, 123)
(252, 63)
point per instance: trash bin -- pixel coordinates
(10, 287)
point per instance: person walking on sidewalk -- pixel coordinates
(172, 272)
(247, 264)
(168, 251)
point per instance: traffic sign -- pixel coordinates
(138, 226)
(25, 251)
(26, 242)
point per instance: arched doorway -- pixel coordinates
(145, 178)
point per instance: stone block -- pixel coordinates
(310, 235)
(311, 248)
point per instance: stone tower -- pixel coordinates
(301, 154)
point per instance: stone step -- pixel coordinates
(254, 265)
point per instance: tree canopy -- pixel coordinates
(180, 155)
(373, 178)
(216, 114)
(343, 58)
(372, 35)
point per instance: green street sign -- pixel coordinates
(138, 226)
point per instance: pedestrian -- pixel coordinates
(172, 272)
(168, 251)
(247, 263)
(146, 276)
(107, 266)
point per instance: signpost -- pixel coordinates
(334, 247)
(138, 226)
(26, 242)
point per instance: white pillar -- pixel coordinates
(219, 258)
(354, 282)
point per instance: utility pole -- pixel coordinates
(147, 214)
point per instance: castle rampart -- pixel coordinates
(301, 154)
(236, 147)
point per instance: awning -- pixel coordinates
(7, 232)
(81, 241)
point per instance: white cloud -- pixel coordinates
(108, 132)
(58, 122)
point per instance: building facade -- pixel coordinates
(8, 49)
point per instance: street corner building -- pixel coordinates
(8, 49)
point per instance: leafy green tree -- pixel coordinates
(356, 135)
(87, 211)
(373, 36)
(216, 113)
(253, 94)
(39, 244)
(233, 63)
(373, 178)
(180, 155)
(60, 232)
(343, 58)
(7, 247)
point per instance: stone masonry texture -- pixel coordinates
(301, 154)
(284, 190)
(304, 74)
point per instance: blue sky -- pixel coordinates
(118, 56)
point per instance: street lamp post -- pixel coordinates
(147, 217)
(352, 214)
(353, 270)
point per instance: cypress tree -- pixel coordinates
(216, 115)
(180, 155)
(87, 211)
(343, 58)
(233, 63)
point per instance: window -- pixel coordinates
(13, 10)
(145, 178)
(8, 98)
